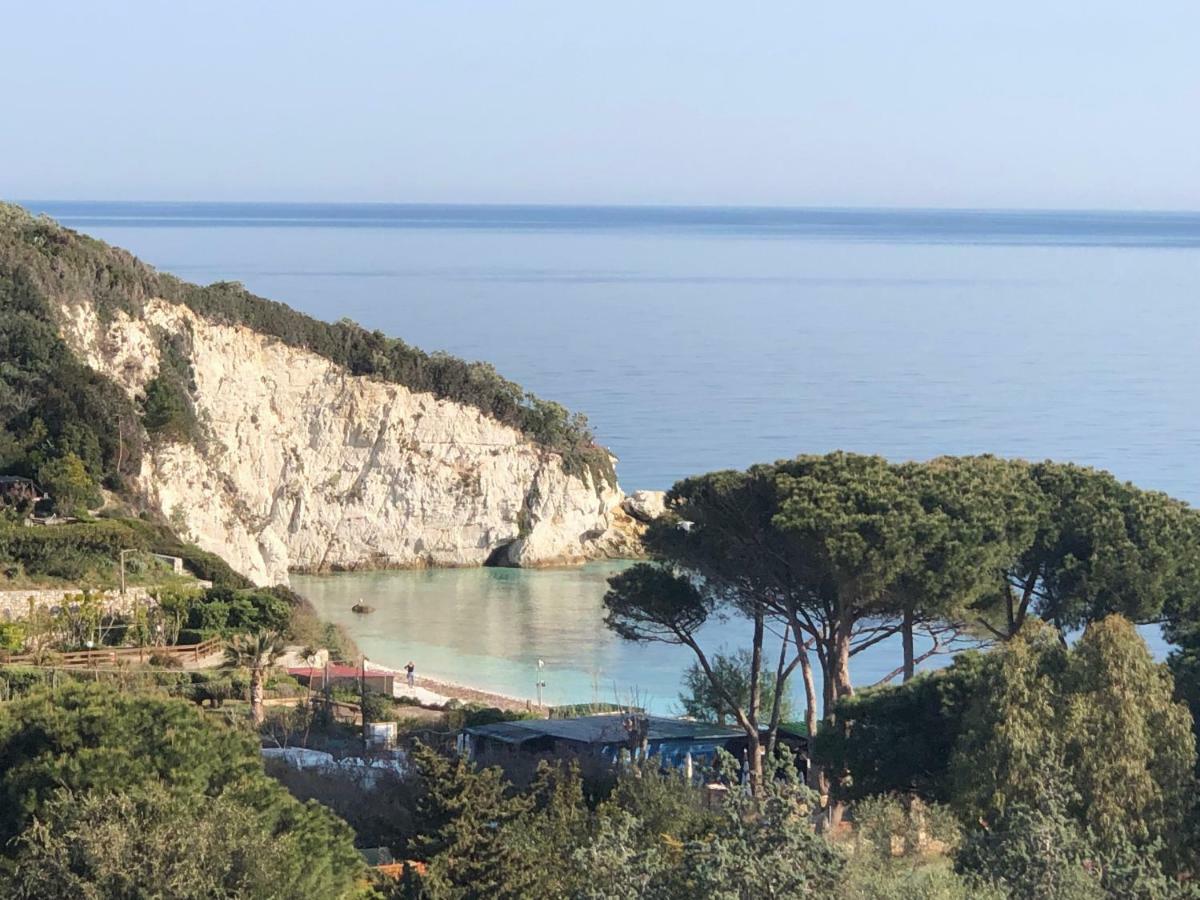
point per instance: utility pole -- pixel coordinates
(122, 555)
(362, 702)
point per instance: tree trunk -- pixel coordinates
(839, 675)
(777, 697)
(751, 728)
(755, 741)
(810, 711)
(839, 663)
(828, 698)
(257, 677)
(756, 652)
(754, 759)
(906, 634)
(810, 694)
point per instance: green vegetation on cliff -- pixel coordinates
(87, 552)
(53, 406)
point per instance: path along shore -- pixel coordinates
(460, 692)
(474, 695)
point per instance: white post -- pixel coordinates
(122, 557)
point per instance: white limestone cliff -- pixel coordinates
(305, 467)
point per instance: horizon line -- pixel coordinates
(433, 204)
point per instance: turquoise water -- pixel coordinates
(489, 627)
(699, 339)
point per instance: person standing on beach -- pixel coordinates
(409, 669)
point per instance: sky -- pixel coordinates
(1068, 104)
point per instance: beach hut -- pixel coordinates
(377, 680)
(672, 741)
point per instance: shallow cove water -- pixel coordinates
(700, 339)
(487, 628)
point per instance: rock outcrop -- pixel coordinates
(306, 467)
(646, 506)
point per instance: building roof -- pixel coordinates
(336, 672)
(602, 729)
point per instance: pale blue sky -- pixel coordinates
(1012, 104)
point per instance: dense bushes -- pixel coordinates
(197, 685)
(51, 404)
(90, 549)
(900, 739)
(223, 611)
(104, 794)
(42, 263)
(168, 411)
(1037, 744)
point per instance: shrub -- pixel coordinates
(91, 548)
(12, 636)
(378, 707)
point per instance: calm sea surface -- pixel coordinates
(698, 339)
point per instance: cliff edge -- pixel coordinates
(292, 462)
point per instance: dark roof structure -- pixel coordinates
(602, 729)
(335, 671)
(672, 742)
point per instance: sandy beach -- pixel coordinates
(462, 692)
(475, 695)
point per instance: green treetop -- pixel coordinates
(105, 794)
(1101, 546)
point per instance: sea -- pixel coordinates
(702, 338)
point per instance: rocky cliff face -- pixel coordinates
(305, 467)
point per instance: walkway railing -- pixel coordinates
(88, 659)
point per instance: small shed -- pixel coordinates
(377, 680)
(671, 740)
(17, 490)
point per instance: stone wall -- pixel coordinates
(15, 604)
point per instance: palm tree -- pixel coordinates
(256, 652)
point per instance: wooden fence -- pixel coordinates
(90, 659)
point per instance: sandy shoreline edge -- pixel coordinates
(464, 692)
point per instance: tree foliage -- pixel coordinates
(154, 842)
(78, 551)
(1093, 731)
(1030, 853)
(256, 652)
(461, 820)
(167, 408)
(1184, 663)
(87, 738)
(70, 485)
(702, 701)
(1095, 728)
(898, 739)
(1101, 546)
(148, 772)
(652, 837)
